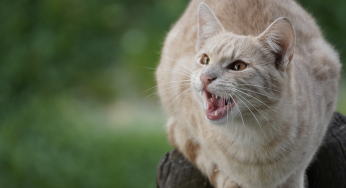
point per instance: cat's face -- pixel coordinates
(235, 76)
(240, 76)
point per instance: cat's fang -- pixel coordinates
(216, 113)
(227, 101)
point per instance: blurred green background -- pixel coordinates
(73, 111)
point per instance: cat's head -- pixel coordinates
(237, 76)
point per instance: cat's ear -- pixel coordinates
(207, 24)
(280, 39)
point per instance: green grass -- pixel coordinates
(60, 143)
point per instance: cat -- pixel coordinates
(250, 87)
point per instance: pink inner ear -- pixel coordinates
(290, 58)
(280, 38)
(284, 44)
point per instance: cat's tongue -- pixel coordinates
(215, 107)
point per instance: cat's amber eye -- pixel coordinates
(237, 66)
(205, 60)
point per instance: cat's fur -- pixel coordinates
(284, 98)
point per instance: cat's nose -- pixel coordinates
(206, 79)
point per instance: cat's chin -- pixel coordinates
(219, 122)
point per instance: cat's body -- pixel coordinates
(279, 93)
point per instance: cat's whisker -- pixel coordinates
(227, 117)
(181, 70)
(239, 112)
(169, 88)
(261, 87)
(173, 70)
(175, 86)
(252, 114)
(175, 60)
(225, 108)
(183, 93)
(188, 68)
(173, 90)
(264, 95)
(232, 118)
(166, 83)
(170, 69)
(178, 71)
(254, 98)
(227, 96)
(255, 107)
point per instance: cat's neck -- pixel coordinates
(259, 131)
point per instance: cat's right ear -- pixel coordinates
(207, 24)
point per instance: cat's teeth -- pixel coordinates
(216, 113)
(217, 97)
(213, 96)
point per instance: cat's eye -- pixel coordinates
(237, 66)
(205, 60)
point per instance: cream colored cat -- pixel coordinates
(250, 86)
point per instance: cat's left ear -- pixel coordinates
(208, 24)
(280, 39)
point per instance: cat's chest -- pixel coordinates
(243, 147)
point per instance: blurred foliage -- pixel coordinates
(70, 145)
(64, 62)
(81, 47)
(97, 49)
(331, 16)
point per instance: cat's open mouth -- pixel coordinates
(217, 107)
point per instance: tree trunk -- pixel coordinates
(327, 170)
